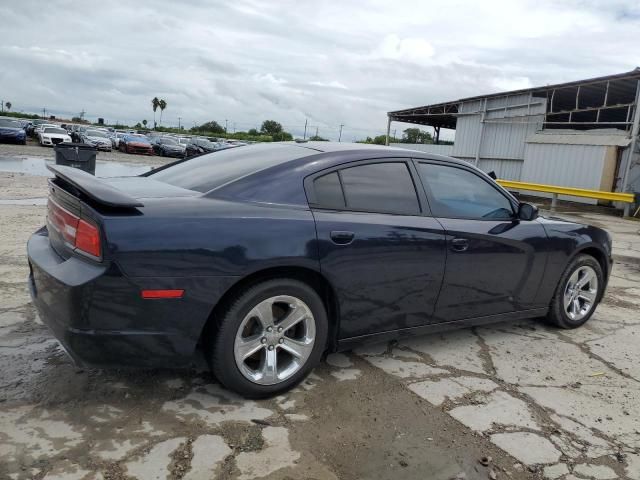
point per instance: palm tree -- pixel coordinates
(8, 105)
(155, 103)
(144, 122)
(162, 104)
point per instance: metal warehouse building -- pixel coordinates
(578, 134)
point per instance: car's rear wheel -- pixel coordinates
(578, 293)
(268, 338)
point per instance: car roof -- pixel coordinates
(312, 158)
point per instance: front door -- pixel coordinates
(495, 262)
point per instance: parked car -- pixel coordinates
(51, 136)
(31, 129)
(167, 147)
(136, 143)
(96, 138)
(272, 254)
(40, 128)
(12, 131)
(200, 146)
(115, 139)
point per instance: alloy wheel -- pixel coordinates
(580, 293)
(274, 340)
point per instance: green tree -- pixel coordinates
(144, 122)
(271, 127)
(415, 135)
(211, 127)
(155, 103)
(318, 138)
(162, 104)
(8, 105)
(275, 131)
(253, 132)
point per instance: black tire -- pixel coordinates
(558, 315)
(219, 343)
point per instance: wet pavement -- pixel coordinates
(540, 402)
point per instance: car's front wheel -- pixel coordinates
(268, 338)
(578, 293)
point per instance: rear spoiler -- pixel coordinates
(94, 188)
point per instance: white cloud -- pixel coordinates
(417, 50)
(331, 63)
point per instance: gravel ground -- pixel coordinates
(539, 402)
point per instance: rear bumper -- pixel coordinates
(99, 317)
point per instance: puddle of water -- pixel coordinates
(23, 201)
(38, 167)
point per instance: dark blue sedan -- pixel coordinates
(270, 255)
(12, 131)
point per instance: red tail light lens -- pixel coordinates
(88, 238)
(77, 232)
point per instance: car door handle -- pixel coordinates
(459, 244)
(342, 238)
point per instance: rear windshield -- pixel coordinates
(213, 170)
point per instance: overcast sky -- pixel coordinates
(346, 62)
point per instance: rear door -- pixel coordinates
(378, 247)
(495, 262)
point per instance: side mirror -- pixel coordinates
(493, 175)
(526, 211)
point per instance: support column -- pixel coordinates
(388, 129)
(482, 116)
(634, 143)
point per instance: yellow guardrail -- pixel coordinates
(575, 192)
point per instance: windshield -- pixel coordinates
(96, 133)
(9, 123)
(55, 130)
(213, 170)
(137, 138)
(168, 141)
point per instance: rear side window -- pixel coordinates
(377, 187)
(459, 193)
(328, 191)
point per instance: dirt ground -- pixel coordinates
(529, 400)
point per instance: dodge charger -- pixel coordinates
(267, 257)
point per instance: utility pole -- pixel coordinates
(225, 125)
(304, 137)
(2, 103)
(394, 134)
(316, 131)
(44, 112)
(234, 127)
(179, 119)
(340, 135)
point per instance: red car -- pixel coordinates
(136, 143)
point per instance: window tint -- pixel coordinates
(459, 193)
(210, 171)
(328, 191)
(380, 187)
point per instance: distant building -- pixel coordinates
(576, 134)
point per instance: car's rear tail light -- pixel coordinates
(88, 238)
(77, 232)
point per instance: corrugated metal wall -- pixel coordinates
(426, 147)
(519, 116)
(505, 169)
(577, 166)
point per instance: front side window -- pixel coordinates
(459, 193)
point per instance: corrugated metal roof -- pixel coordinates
(579, 138)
